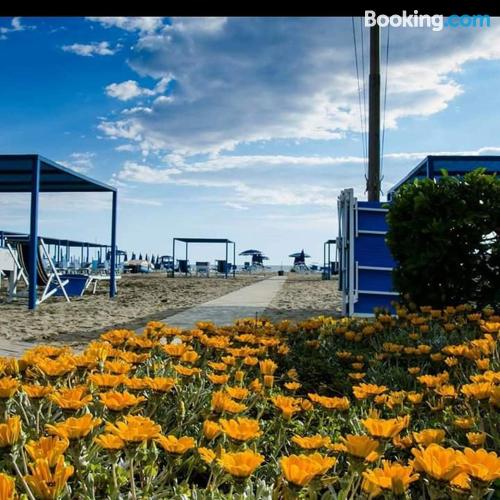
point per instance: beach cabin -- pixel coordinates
(365, 262)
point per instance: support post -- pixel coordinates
(173, 258)
(225, 268)
(112, 281)
(187, 258)
(373, 182)
(33, 274)
(234, 259)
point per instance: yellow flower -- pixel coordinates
(446, 391)
(8, 387)
(110, 442)
(415, 398)
(211, 429)
(218, 367)
(47, 484)
(185, 371)
(464, 422)
(7, 487)
(392, 476)
(50, 448)
(207, 455)
(476, 438)
(363, 391)
(35, 391)
(267, 367)
(10, 431)
(481, 465)
(105, 379)
(440, 463)
(117, 401)
(311, 442)
(71, 399)
(175, 350)
(477, 391)
(361, 447)
(240, 464)
(135, 383)
(134, 428)
(56, 367)
(222, 402)
(237, 392)
(176, 445)
(218, 379)
(73, 428)
(331, 403)
(118, 367)
(428, 436)
(381, 428)
(287, 405)
(302, 469)
(241, 429)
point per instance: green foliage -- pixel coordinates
(445, 238)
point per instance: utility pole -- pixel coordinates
(373, 182)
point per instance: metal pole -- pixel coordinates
(186, 258)
(234, 259)
(173, 258)
(373, 182)
(33, 257)
(112, 281)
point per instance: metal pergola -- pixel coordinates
(224, 241)
(32, 173)
(327, 267)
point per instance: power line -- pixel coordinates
(361, 116)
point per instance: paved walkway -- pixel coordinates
(243, 303)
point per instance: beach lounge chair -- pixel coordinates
(184, 266)
(49, 280)
(202, 268)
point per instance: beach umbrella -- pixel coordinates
(299, 254)
(251, 252)
(140, 256)
(133, 256)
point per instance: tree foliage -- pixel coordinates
(445, 237)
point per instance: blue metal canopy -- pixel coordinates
(32, 173)
(455, 165)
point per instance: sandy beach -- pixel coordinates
(140, 298)
(304, 296)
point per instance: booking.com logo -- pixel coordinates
(436, 22)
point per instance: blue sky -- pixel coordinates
(239, 128)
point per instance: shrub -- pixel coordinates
(445, 238)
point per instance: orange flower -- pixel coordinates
(237, 392)
(361, 447)
(49, 448)
(440, 463)
(35, 391)
(302, 469)
(218, 379)
(267, 367)
(288, 406)
(428, 436)
(185, 371)
(106, 380)
(240, 429)
(311, 442)
(135, 383)
(175, 350)
(175, 445)
(74, 428)
(7, 487)
(48, 484)
(211, 429)
(8, 387)
(118, 367)
(381, 428)
(363, 391)
(464, 422)
(477, 391)
(10, 431)
(134, 428)
(56, 367)
(190, 357)
(117, 401)
(207, 455)
(481, 465)
(72, 399)
(222, 402)
(392, 476)
(110, 442)
(218, 367)
(476, 438)
(160, 384)
(240, 464)
(331, 403)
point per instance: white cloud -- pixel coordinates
(15, 25)
(130, 89)
(255, 79)
(80, 162)
(91, 49)
(141, 24)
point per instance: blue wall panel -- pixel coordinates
(369, 279)
(371, 250)
(368, 302)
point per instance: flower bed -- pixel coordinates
(405, 406)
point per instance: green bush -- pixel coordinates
(445, 238)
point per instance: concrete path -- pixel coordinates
(243, 303)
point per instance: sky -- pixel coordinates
(246, 129)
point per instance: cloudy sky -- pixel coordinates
(239, 128)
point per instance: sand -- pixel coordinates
(140, 298)
(304, 296)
